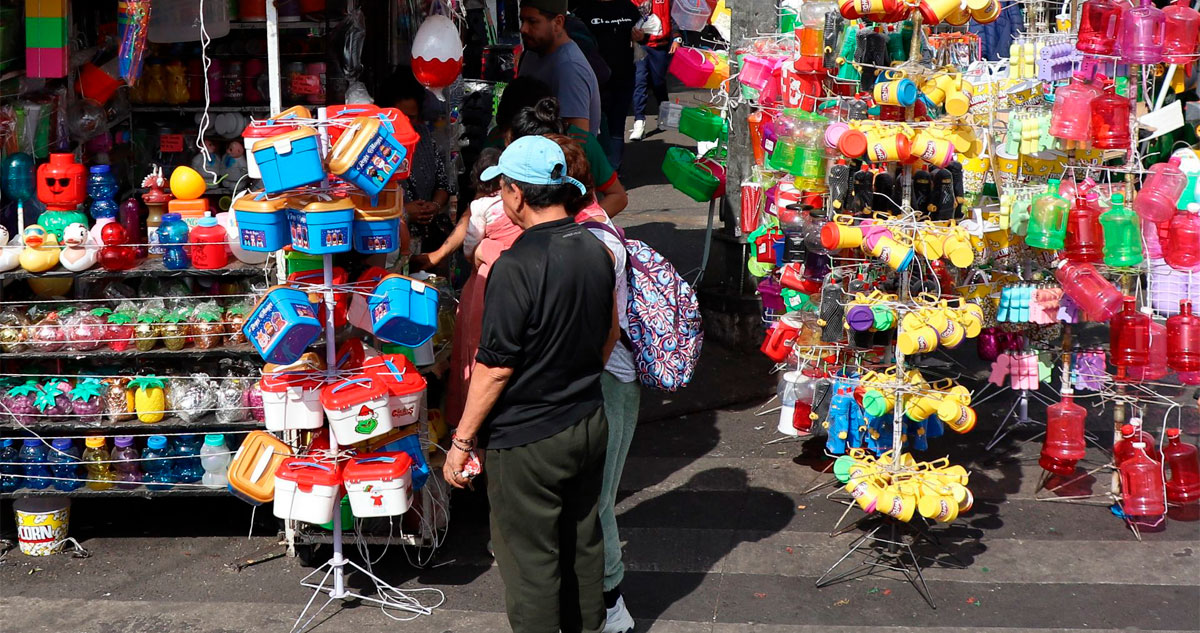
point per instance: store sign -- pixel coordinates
(170, 143)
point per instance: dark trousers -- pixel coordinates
(544, 501)
(651, 75)
(615, 100)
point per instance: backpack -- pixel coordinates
(665, 330)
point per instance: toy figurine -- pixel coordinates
(10, 251)
(115, 254)
(214, 164)
(41, 249)
(234, 162)
(61, 187)
(80, 250)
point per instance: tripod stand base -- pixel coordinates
(333, 586)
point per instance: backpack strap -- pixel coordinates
(620, 235)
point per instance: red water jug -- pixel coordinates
(209, 244)
(1129, 337)
(1183, 462)
(1099, 23)
(1181, 41)
(1183, 339)
(1064, 444)
(1089, 289)
(1130, 433)
(1182, 250)
(1085, 236)
(1142, 485)
(1110, 119)
(1156, 367)
(1157, 199)
(1142, 31)
(1070, 119)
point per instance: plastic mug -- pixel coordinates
(884, 146)
(838, 234)
(938, 152)
(884, 247)
(956, 415)
(897, 92)
(971, 316)
(898, 501)
(885, 317)
(877, 402)
(958, 101)
(920, 407)
(916, 337)
(950, 331)
(984, 11)
(938, 504)
(957, 248)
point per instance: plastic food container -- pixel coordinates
(292, 401)
(404, 311)
(692, 67)
(701, 124)
(684, 174)
(406, 386)
(322, 227)
(282, 325)
(357, 408)
(341, 298)
(256, 132)
(307, 491)
(367, 154)
(288, 160)
(262, 224)
(359, 314)
(252, 471)
(379, 484)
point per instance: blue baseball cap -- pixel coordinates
(534, 160)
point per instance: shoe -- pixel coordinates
(639, 130)
(618, 619)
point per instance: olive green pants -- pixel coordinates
(546, 535)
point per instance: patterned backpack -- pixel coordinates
(664, 316)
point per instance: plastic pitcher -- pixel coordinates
(1157, 199)
(1143, 30)
(1064, 444)
(1122, 235)
(1110, 118)
(1129, 336)
(1071, 117)
(1085, 234)
(1099, 23)
(1183, 339)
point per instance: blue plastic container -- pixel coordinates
(375, 233)
(282, 325)
(262, 224)
(367, 154)
(321, 228)
(404, 311)
(288, 160)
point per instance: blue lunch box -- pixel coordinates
(282, 325)
(288, 160)
(322, 227)
(377, 226)
(404, 311)
(367, 154)
(262, 224)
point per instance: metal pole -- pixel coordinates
(273, 71)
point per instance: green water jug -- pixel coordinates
(1122, 234)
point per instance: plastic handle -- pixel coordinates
(310, 465)
(352, 382)
(382, 459)
(392, 368)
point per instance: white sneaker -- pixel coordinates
(618, 619)
(639, 130)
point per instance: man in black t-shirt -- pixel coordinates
(534, 402)
(611, 23)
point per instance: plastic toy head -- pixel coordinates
(113, 234)
(75, 235)
(61, 184)
(34, 236)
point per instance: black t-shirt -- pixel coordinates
(611, 23)
(547, 314)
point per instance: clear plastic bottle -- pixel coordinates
(126, 457)
(1122, 234)
(1048, 220)
(9, 467)
(64, 459)
(33, 457)
(102, 187)
(188, 469)
(1088, 288)
(214, 456)
(159, 472)
(1159, 196)
(1110, 118)
(100, 474)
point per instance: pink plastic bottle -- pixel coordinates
(1099, 23)
(1142, 485)
(1129, 337)
(1070, 119)
(1130, 433)
(1157, 199)
(1182, 39)
(1110, 118)
(1183, 339)
(1183, 460)
(1085, 235)
(1156, 367)
(1142, 33)
(1182, 250)
(1089, 289)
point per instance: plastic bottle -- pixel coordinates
(1070, 119)
(1099, 23)
(1183, 339)
(64, 459)
(1064, 444)
(1142, 484)
(188, 470)
(172, 236)
(1130, 433)
(1181, 40)
(1182, 250)
(9, 467)
(1122, 234)
(1129, 337)
(209, 244)
(1183, 463)
(1085, 235)
(215, 459)
(159, 472)
(130, 217)
(1110, 118)
(102, 188)
(1143, 29)
(1156, 367)
(1089, 289)
(126, 467)
(1048, 220)
(33, 456)
(100, 474)
(1156, 200)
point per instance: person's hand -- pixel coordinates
(638, 35)
(422, 211)
(426, 261)
(674, 46)
(456, 462)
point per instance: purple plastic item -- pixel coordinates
(1142, 32)
(772, 294)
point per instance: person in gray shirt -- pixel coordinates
(552, 57)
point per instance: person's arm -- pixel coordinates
(425, 261)
(574, 95)
(614, 332)
(613, 199)
(487, 383)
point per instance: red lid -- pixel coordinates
(377, 466)
(306, 473)
(265, 129)
(352, 392)
(282, 381)
(1172, 433)
(400, 374)
(852, 143)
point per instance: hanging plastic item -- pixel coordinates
(1183, 339)
(1129, 337)
(1181, 40)
(1142, 493)
(1156, 200)
(1085, 234)
(1064, 443)
(1182, 250)
(1183, 462)
(1099, 24)
(1122, 235)
(1110, 118)
(437, 54)
(1142, 31)
(1089, 289)
(1048, 220)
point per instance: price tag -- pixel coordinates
(170, 143)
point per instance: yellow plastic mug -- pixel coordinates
(895, 254)
(957, 249)
(935, 151)
(958, 101)
(959, 417)
(898, 501)
(916, 336)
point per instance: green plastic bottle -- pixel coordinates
(1048, 220)
(1122, 234)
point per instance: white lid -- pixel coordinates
(1139, 445)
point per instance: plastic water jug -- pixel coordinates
(1143, 30)
(1183, 463)
(1129, 337)
(125, 457)
(1099, 23)
(214, 457)
(1110, 118)
(1122, 234)
(1071, 117)
(1089, 289)
(1157, 199)
(9, 479)
(188, 468)
(102, 189)
(1064, 444)
(1130, 433)
(1182, 250)
(1181, 40)
(1085, 235)
(1048, 220)
(100, 475)
(64, 464)
(159, 471)
(1183, 339)
(1156, 367)
(1142, 485)
(33, 456)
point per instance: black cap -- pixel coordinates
(557, 7)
